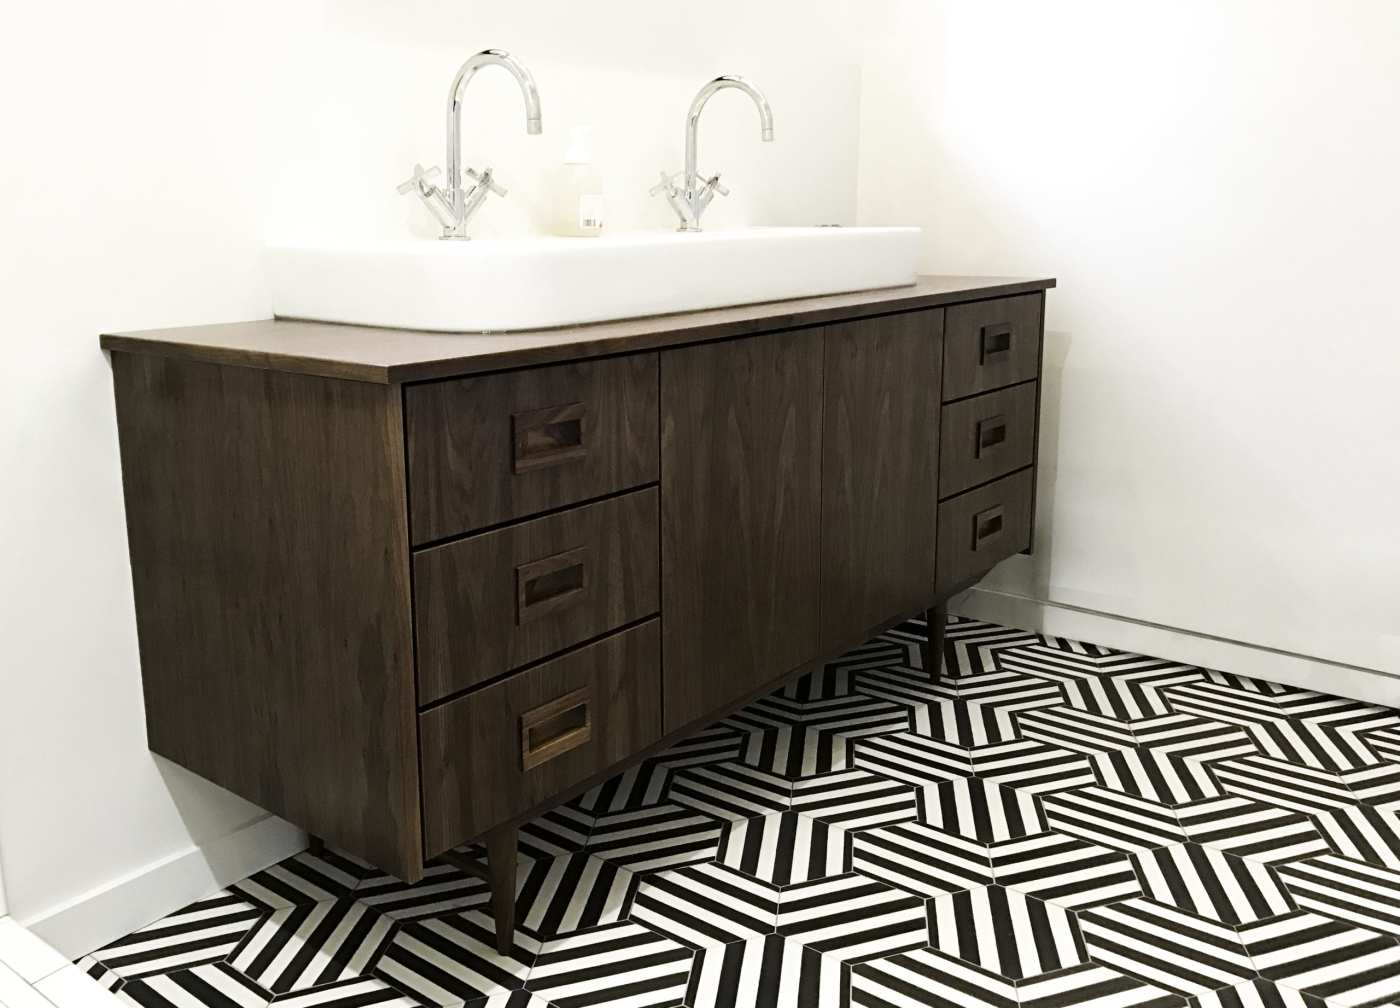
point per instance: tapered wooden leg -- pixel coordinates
(316, 846)
(500, 862)
(933, 649)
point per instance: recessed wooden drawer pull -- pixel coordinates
(996, 343)
(549, 437)
(987, 526)
(990, 433)
(556, 727)
(551, 584)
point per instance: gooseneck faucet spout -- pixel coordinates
(694, 194)
(454, 205)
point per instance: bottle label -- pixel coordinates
(590, 213)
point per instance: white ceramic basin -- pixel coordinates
(534, 283)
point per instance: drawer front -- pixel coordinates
(986, 437)
(982, 528)
(991, 344)
(494, 754)
(493, 602)
(487, 449)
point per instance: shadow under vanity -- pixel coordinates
(407, 590)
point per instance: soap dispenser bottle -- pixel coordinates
(578, 198)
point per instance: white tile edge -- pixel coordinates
(123, 905)
(70, 987)
(26, 953)
(1175, 644)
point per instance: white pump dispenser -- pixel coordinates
(578, 197)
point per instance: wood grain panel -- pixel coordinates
(974, 360)
(882, 380)
(483, 450)
(269, 557)
(981, 528)
(594, 568)
(740, 507)
(985, 437)
(474, 754)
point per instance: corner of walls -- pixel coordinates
(1175, 644)
(125, 904)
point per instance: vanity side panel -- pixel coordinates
(269, 549)
(882, 388)
(740, 517)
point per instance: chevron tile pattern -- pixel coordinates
(1042, 823)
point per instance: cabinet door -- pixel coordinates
(879, 472)
(740, 505)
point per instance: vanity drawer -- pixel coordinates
(981, 528)
(991, 344)
(496, 753)
(986, 437)
(486, 449)
(495, 601)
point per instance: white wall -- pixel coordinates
(150, 147)
(1214, 185)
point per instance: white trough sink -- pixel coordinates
(534, 283)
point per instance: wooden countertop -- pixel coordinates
(386, 356)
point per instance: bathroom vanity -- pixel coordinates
(408, 589)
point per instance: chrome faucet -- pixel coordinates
(690, 198)
(454, 205)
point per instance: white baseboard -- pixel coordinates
(1251, 660)
(120, 907)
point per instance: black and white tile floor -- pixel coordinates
(1050, 824)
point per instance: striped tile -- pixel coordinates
(1347, 890)
(656, 838)
(784, 848)
(203, 932)
(622, 964)
(764, 972)
(1166, 946)
(362, 992)
(1032, 766)
(852, 916)
(556, 896)
(911, 688)
(1211, 883)
(1112, 819)
(305, 878)
(981, 809)
(855, 800)
(1337, 962)
(1094, 986)
(1005, 931)
(985, 708)
(1119, 685)
(645, 783)
(801, 739)
(730, 790)
(706, 905)
(1351, 828)
(928, 977)
(216, 985)
(449, 960)
(971, 647)
(1256, 993)
(1298, 726)
(1064, 871)
(1251, 829)
(310, 945)
(921, 859)
(444, 889)
(909, 757)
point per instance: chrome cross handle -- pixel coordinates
(486, 179)
(419, 180)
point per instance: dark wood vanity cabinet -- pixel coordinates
(408, 590)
